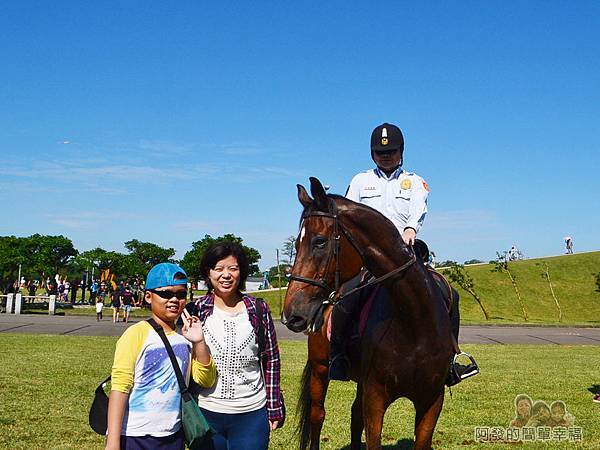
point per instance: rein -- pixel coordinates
(333, 292)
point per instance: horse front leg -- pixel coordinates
(319, 382)
(427, 414)
(374, 404)
(357, 424)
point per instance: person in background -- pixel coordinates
(93, 291)
(569, 244)
(126, 301)
(115, 302)
(245, 404)
(99, 308)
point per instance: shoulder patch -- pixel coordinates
(425, 186)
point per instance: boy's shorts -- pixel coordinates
(127, 308)
(172, 442)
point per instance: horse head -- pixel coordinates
(325, 258)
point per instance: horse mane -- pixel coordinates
(348, 205)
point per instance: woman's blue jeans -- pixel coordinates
(245, 431)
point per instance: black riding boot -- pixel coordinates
(338, 361)
(341, 327)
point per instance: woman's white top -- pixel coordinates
(232, 342)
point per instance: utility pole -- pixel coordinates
(19, 281)
(279, 280)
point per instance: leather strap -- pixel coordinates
(182, 386)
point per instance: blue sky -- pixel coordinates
(166, 121)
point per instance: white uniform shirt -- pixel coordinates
(402, 197)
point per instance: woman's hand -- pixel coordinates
(274, 424)
(192, 328)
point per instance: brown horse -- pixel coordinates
(405, 353)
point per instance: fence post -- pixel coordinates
(9, 303)
(18, 303)
(52, 305)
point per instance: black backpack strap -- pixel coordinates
(182, 386)
(261, 331)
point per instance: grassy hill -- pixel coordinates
(573, 280)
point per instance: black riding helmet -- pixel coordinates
(387, 137)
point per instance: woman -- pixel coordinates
(523, 405)
(540, 415)
(242, 408)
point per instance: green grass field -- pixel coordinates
(47, 384)
(573, 280)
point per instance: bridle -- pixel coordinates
(333, 295)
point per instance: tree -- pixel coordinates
(101, 259)
(144, 255)
(598, 282)
(447, 263)
(289, 249)
(473, 261)
(191, 260)
(458, 275)
(501, 265)
(546, 276)
(40, 256)
(273, 275)
(11, 255)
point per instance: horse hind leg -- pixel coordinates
(357, 424)
(374, 404)
(425, 421)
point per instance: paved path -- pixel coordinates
(88, 326)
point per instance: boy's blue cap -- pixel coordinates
(163, 274)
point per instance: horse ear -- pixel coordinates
(318, 192)
(303, 196)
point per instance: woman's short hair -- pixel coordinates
(538, 406)
(222, 250)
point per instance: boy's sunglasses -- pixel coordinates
(179, 295)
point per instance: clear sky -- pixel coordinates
(166, 121)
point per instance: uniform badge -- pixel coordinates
(406, 184)
(384, 137)
(425, 186)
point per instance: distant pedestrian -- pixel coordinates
(569, 244)
(99, 308)
(115, 302)
(93, 291)
(126, 300)
(32, 289)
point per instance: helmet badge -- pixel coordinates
(384, 136)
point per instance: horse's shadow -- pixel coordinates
(402, 444)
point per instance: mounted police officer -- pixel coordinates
(400, 196)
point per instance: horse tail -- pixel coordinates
(303, 408)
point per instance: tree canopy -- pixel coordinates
(38, 254)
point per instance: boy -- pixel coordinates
(145, 401)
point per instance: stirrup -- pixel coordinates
(459, 372)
